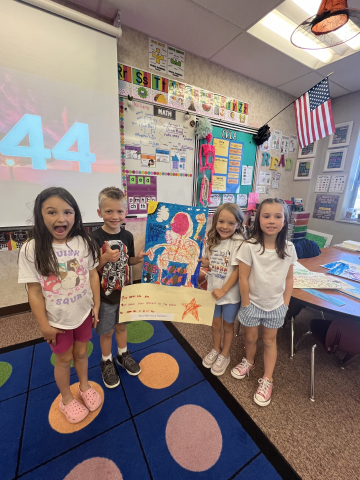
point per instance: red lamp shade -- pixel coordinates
(332, 15)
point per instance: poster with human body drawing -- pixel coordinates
(173, 244)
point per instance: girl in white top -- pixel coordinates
(266, 282)
(222, 244)
(59, 267)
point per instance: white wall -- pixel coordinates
(345, 109)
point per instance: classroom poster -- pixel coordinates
(215, 199)
(176, 94)
(293, 144)
(228, 198)
(132, 151)
(124, 80)
(192, 99)
(173, 244)
(241, 199)
(148, 161)
(206, 102)
(159, 302)
(322, 183)
(219, 106)
(276, 140)
(141, 84)
(264, 178)
(157, 55)
(141, 189)
(176, 62)
(247, 174)
(325, 207)
(159, 89)
(219, 184)
(162, 155)
(337, 183)
(284, 145)
(178, 160)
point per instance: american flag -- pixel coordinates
(314, 118)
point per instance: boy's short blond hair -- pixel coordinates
(113, 193)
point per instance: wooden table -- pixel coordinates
(352, 305)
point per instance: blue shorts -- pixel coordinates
(228, 311)
(252, 316)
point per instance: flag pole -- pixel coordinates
(327, 76)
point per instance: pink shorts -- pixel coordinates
(64, 341)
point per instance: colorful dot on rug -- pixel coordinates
(193, 438)
(57, 419)
(5, 372)
(90, 348)
(158, 370)
(94, 469)
(139, 332)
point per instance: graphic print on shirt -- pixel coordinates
(115, 275)
(68, 287)
(219, 264)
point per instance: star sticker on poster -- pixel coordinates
(191, 309)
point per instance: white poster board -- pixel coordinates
(169, 133)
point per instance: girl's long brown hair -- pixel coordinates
(258, 234)
(213, 238)
(45, 260)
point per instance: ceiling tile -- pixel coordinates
(184, 24)
(302, 84)
(108, 9)
(346, 72)
(254, 58)
(242, 13)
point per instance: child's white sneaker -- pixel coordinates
(220, 365)
(242, 369)
(210, 358)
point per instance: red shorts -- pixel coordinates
(64, 341)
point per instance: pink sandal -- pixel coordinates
(91, 398)
(75, 412)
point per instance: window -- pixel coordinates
(355, 198)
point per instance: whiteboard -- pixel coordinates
(150, 133)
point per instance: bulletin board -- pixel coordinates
(235, 157)
(157, 152)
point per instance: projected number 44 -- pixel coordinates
(31, 125)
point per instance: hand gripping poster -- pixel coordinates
(173, 244)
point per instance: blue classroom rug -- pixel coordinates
(176, 420)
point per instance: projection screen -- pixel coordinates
(59, 117)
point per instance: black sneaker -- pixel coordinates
(109, 373)
(126, 361)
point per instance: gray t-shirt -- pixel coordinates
(267, 275)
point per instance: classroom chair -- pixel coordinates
(341, 334)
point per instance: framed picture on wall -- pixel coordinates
(335, 160)
(303, 169)
(308, 151)
(341, 137)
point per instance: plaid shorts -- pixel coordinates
(252, 316)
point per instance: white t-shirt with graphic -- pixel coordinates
(267, 275)
(68, 298)
(222, 263)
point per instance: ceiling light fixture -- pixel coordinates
(285, 27)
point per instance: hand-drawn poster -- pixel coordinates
(325, 206)
(284, 145)
(348, 270)
(318, 281)
(206, 102)
(159, 89)
(141, 84)
(159, 302)
(219, 106)
(192, 99)
(293, 144)
(173, 244)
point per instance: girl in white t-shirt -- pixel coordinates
(266, 282)
(59, 267)
(222, 244)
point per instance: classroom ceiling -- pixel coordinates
(227, 33)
